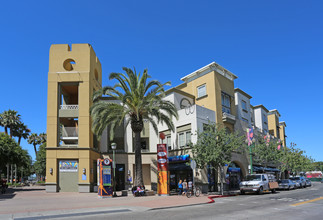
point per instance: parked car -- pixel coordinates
(258, 183)
(286, 184)
(299, 181)
(308, 182)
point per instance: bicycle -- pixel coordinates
(195, 191)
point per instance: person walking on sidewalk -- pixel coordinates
(184, 187)
(180, 187)
(190, 184)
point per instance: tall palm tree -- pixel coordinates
(35, 140)
(140, 99)
(9, 119)
(43, 137)
(21, 131)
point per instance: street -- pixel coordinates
(295, 204)
(36, 204)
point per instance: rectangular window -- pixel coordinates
(201, 91)
(264, 118)
(181, 140)
(245, 120)
(244, 105)
(226, 103)
(169, 141)
(188, 138)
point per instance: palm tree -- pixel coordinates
(43, 137)
(35, 140)
(21, 131)
(140, 99)
(9, 119)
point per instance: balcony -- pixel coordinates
(69, 135)
(226, 117)
(66, 111)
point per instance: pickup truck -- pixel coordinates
(259, 183)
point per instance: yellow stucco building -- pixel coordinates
(213, 87)
(275, 127)
(72, 150)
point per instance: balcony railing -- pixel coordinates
(69, 107)
(69, 132)
(226, 117)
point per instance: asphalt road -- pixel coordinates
(295, 204)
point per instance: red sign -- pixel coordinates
(162, 136)
(162, 163)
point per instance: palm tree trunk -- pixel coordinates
(138, 161)
(11, 131)
(8, 172)
(11, 174)
(19, 139)
(35, 149)
(6, 129)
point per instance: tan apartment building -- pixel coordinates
(213, 87)
(276, 128)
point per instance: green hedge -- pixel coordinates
(315, 179)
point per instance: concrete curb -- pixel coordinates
(211, 198)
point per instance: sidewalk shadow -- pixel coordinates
(27, 189)
(10, 193)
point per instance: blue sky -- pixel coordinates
(274, 47)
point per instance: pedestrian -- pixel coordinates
(3, 186)
(142, 190)
(184, 187)
(180, 187)
(190, 184)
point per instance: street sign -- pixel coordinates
(193, 164)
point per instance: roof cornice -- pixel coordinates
(275, 111)
(209, 68)
(282, 123)
(175, 90)
(243, 93)
(261, 106)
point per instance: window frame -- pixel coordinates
(226, 99)
(198, 88)
(244, 104)
(185, 142)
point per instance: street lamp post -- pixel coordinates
(114, 146)
(250, 140)
(250, 153)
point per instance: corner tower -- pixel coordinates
(72, 150)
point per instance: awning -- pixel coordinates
(178, 166)
(266, 169)
(184, 157)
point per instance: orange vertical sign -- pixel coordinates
(162, 165)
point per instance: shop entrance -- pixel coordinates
(179, 171)
(212, 178)
(234, 176)
(120, 177)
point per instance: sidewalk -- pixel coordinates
(34, 201)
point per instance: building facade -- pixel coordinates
(206, 95)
